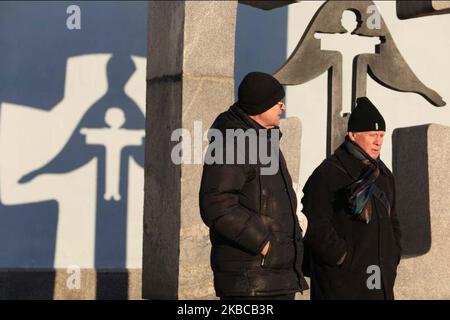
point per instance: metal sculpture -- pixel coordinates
(385, 65)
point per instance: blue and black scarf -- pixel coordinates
(359, 193)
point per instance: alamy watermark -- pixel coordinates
(231, 146)
(73, 281)
(374, 20)
(73, 21)
(374, 280)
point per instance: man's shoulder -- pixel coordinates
(329, 168)
(329, 165)
(221, 121)
(232, 120)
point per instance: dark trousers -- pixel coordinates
(290, 296)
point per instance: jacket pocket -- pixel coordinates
(281, 254)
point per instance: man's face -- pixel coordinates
(271, 117)
(369, 141)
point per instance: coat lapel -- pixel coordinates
(353, 166)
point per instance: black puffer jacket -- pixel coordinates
(332, 231)
(244, 210)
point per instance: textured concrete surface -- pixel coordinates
(413, 196)
(191, 80)
(49, 284)
(441, 5)
(290, 145)
(195, 276)
(162, 178)
(427, 276)
(209, 40)
(207, 91)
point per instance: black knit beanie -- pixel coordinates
(365, 117)
(258, 92)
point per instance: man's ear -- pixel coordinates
(351, 135)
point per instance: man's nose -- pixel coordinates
(378, 141)
(283, 107)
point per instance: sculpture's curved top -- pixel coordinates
(387, 66)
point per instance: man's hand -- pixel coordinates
(265, 249)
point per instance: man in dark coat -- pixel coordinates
(352, 246)
(256, 238)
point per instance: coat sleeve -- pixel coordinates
(322, 239)
(221, 211)
(394, 219)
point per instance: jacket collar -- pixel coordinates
(245, 122)
(352, 165)
(249, 123)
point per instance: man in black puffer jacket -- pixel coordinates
(256, 238)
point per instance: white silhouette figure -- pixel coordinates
(114, 139)
(350, 45)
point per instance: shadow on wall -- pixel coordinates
(36, 44)
(412, 190)
(261, 41)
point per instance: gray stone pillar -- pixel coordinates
(189, 78)
(421, 160)
(291, 146)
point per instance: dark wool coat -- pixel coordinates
(244, 210)
(332, 231)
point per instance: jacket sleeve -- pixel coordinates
(221, 211)
(394, 219)
(322, 239)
